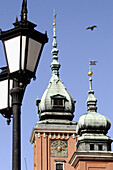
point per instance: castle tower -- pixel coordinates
(93, 145)
(54, 136)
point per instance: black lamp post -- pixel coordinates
(23, 46)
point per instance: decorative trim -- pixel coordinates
(52, 131)
(54, 136)
(38, 135)
(44, 135)
(58, 135)
(49, 135)
(63, 136)
(55, 130)
(59, 160)
(73, 136)
(35, 138)
(68, 136)
(90, 156)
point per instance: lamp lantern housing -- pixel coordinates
(23, 46)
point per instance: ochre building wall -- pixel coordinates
(42, 159)
(94, 165)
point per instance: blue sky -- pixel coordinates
(76, 46)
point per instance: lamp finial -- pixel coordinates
(24, 11)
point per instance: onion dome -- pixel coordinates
(92, 121)
(56, 102)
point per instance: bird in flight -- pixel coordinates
(91, 28)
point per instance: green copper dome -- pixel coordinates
(92, 122)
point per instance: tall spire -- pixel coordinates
(91, 100)
(24, 11)
(55, 65)
(56, 105)
(92, 126)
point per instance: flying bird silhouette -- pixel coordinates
(91, 28)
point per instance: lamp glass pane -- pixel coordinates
(3, 94)
(10, 98)
(12, 47)
(33, 54)
(23, 51)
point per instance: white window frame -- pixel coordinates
(59, 163)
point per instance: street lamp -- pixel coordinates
(23, 46)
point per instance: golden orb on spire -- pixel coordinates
(90, 73)
(54, 24)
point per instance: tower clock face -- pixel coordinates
(59, 148)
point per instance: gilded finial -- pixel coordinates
(91, 100)
(54, 24)
(90, 73)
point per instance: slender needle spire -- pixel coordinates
(91, 100)
(90, 73)
(55, 64)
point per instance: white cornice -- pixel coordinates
(49, 130)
